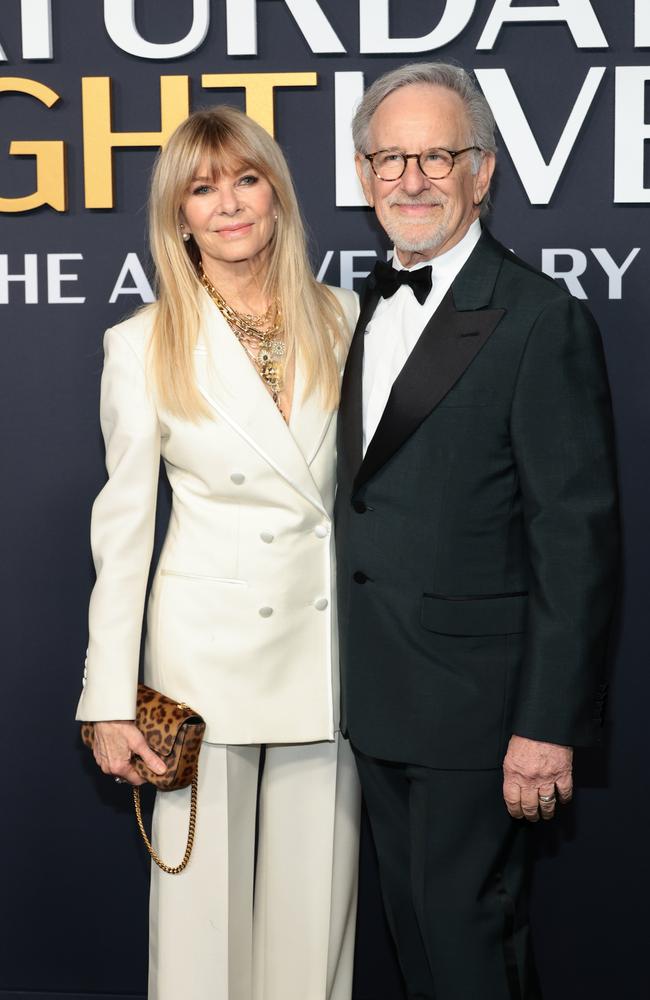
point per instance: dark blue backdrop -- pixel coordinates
(74, 876)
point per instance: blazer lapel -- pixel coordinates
(232, 387)
(448, 344)
(350, 425)
(309, 420)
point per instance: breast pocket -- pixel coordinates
(491, 614)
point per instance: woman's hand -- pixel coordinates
(115, 743)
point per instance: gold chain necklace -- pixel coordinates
(265, 347)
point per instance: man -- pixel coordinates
(477, 542)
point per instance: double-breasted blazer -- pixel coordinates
(478, 536)
(241, 617)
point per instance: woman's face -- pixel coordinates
(231, 218)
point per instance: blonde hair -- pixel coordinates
(227, 140)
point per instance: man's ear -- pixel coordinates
(483, 177)
(363, 173)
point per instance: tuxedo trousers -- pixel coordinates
(280, 927)
(453, 869)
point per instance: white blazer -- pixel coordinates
(241, 616)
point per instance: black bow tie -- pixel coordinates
(388, 280)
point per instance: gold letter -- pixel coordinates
(100, 140)
(50, 155)
(259, 89)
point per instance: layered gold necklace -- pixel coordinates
(260, 336)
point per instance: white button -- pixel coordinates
(267, 537)
(265, 612)
(238, 478)
(321, 531)
(321, 603)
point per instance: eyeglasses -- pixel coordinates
(389, 164)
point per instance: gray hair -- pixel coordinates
(438, 74)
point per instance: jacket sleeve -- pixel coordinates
(122, 532)
(563, 440)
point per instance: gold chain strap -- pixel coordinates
(190, 832)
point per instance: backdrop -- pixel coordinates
(87, 91)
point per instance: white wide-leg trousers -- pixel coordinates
(222, 930)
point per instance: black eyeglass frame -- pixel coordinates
(417, 156)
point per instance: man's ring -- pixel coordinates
(547, 798)
(119, 781)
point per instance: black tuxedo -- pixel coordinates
(477, 541)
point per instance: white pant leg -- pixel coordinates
(306, 884)
(200, 930)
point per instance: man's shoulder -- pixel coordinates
(520, 280)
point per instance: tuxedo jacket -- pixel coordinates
(241, 614)
(477, 539)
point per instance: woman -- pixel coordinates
(232, 376)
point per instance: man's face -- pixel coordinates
(424, 217)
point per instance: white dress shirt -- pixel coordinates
(396, 325)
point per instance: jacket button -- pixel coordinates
(321, 531)
(238, 478)
(359, 576)
(359, 506)
(321, 603)
(267, 537)
(265, 612)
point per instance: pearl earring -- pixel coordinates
(186, 236)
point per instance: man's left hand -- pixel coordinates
(536, 776)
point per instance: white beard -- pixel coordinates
(434, 235)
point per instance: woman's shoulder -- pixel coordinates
(135, 330)
(349, 302)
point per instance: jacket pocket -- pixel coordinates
(201, 578)
(489, 614)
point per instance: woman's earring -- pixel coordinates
(186, 236)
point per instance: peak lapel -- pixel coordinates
(448, 344)
(240, 398)
(309, 420)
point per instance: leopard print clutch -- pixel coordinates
(174, 731)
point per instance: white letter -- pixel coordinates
(327, 260)
(36, 25)
(613, 270)
(374, 27)
(132, 268)
(641, 24)
(55, 279)
(348, 91)
(538, 177)
(630, 132)
(29, 279)
(308, 15)
(348, 274)
(241, 27)
(36, 16)
(578, 14)
(119, 18)
(571, 276)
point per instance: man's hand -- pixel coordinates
(535, 776)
